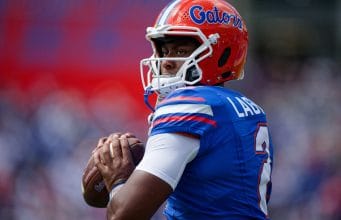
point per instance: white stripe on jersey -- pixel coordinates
(165, 15)
(184, 108)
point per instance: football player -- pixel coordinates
(209, 152)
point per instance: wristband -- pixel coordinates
(118, 184)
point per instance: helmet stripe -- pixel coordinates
(166, 12)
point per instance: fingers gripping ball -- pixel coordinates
(93, 188)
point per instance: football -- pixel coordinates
(93, 188)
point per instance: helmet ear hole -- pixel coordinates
(226, 74)
(223, 58)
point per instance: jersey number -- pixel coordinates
(262, 147)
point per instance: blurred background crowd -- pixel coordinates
(69, 74)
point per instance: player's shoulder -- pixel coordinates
(189, 94)
(222, 93)
(211, 95)
(191, 100)
(214, 97)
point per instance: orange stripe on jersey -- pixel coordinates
(185, 118)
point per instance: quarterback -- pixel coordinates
(209, 153)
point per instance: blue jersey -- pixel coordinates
(230, 176)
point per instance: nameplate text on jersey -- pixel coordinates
(244, 107)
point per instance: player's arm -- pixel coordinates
(139, 198)
(153, 180)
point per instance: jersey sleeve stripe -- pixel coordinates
(183, 118)
(183, 109)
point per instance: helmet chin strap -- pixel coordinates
(146, 95)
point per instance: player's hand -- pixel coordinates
(102, 140)
(114, 160)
